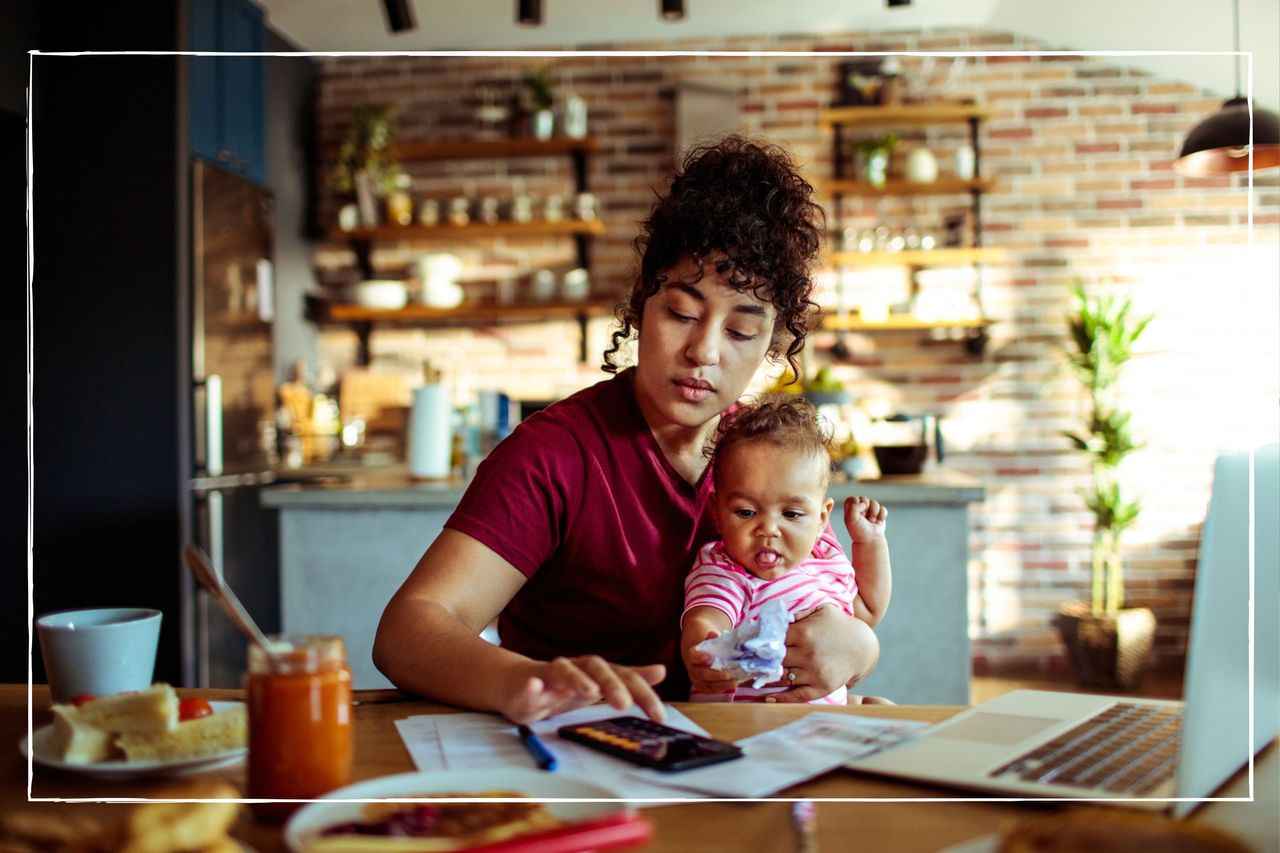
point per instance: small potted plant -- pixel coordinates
(1108, 644)
(366, 166)
(541, 95)
(872, 157)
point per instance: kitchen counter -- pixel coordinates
(348, 540)
(355, 487)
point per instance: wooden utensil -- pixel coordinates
(200, 566)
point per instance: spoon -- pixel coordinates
(199, 564)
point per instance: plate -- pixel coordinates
(45, 754)
(309, 820)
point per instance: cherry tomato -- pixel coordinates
(82, 699)
(193, 709)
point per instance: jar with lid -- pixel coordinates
(300, 730)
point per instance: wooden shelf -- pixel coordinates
(916, 258)
(424, 316)
(942, 186)
(905, 114)
(836, 323)
(493, 149)
(475, 229)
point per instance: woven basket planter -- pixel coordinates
(1110, 651)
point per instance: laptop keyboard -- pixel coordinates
(1127, 748)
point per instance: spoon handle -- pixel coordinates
(200, 566)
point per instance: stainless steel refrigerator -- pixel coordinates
(232, 419)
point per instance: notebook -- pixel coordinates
(1154, 754)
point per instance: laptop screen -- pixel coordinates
(1239, 562)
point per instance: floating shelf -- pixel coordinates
(324, 311)
(917, 257)
(836, 323)
(568, 227)
(493, 149)
(942, 186)
(905, 114)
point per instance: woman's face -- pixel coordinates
(699, 345)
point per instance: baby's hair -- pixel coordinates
(786, 421)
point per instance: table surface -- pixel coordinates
(688, 828)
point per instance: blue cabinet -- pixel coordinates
(228, 93)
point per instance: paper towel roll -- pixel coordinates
(430, 433)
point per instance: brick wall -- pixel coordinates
(1081, 148)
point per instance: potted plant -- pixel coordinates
(1107, 643)
(366, 166)
(541, 99)
(872, 157)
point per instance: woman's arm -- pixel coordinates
(826, 649)
(429, 643)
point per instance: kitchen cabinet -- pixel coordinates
(362, 241)
(844, 184)
(228, 93)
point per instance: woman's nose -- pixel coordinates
(701, 349)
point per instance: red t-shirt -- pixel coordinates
(583, 502)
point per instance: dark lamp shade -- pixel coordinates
(1220, 143)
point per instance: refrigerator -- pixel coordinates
(232, 421)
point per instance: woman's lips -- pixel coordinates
(694, 390)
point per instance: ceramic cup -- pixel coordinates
(100, 652)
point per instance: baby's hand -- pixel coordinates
(864, 518)
(702, 677)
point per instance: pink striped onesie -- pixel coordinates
(718, 581)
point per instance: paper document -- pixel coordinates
(478, 741)
(788, 755)
(774, 759)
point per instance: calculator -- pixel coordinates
(650, 744)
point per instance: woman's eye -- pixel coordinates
(682, 318)
(734, 334)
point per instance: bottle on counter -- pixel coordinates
(300, 735)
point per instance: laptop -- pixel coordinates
(1141, 752)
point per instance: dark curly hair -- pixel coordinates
(743, 206)
(786, 421)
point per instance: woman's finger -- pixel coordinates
(569, 675)
(638, 682)
(795, 695)
(610, 685)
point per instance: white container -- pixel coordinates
(385, 294)
(575, 117)
(430, 437)
(965, 163)
(922, 166)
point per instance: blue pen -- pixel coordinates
(537, 748)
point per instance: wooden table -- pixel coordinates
(684, 828)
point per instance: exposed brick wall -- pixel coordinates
(1081, 148)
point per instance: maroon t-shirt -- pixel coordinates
(583, 502)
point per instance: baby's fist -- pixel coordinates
(864, 518)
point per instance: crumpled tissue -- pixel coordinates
(754, 649)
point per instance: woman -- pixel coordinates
(579, 527)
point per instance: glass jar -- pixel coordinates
(300, 733)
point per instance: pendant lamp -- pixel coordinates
(1220, 143)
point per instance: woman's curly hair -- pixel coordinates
(745, 207)
(786, 421)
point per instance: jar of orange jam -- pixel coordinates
(300, 738)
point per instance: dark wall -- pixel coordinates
(105, 324)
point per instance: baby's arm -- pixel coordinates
(865, 521)
(701, 623)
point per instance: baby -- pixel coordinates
(771, 470)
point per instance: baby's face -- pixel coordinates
(771, 506)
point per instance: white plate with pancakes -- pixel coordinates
(306, 826)
(45, 753)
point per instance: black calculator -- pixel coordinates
(651, 744)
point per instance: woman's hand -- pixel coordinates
(826, 649)
(562, 684)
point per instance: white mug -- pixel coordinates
(99, 652)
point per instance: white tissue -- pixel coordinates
(754, 649)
